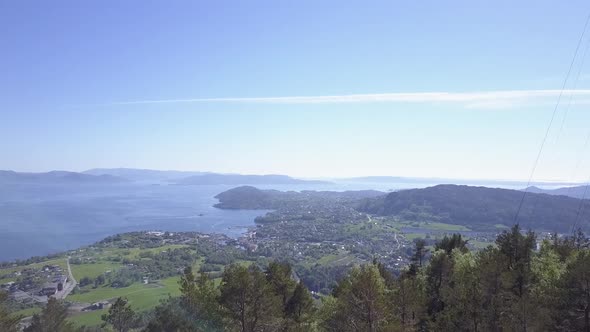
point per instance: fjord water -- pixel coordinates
(40, 219)
(44, 219)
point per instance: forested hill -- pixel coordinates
(251, 198)
(481, 207)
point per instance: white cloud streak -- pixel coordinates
(476, 100)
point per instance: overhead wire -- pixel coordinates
(583, 59)
(584, 147)
(538, 157)
(580, 208)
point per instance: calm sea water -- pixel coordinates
(44, 219)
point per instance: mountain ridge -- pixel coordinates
(57, 177)
(481, 206)
(575, 191)
(243, 179)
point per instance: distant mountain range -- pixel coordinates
(576, 192)
(136, 174)
(57, 177)
(197, 178)
(482, 207)
(237, 179)
(120, 175)
(399, 179)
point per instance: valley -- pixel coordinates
(321, 234)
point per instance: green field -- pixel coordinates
(141, 297)
(444, 227)
(369, 227)
(412, 236)
(341, 258)
(427, 225)
(58, 261)
(92, 270)
(27, 312)
(436, 226)
(91, 318)
(241, 262)
(197, 265)
(133, 253)
(137, 290)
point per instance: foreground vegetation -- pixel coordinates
(507, 287)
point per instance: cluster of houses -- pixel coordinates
(54, 286)
(36, 285)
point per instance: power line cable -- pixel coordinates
(515, 221)
(569, 189)
(583, 59)
(580, 207)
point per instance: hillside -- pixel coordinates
(251, 198)
(479, 207)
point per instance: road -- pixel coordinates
(396, 240)
(69, 286)
(394, 234)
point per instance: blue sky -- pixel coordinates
(461, 89)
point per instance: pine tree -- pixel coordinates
(488, 265)
(248, 300)
(438, 275)
(299, 309)
(209, 310)
(52, 318)
(448, 244)
(278, 276)
(360, 303)
(188, 288)
(516, 252)
(407, 300)
(547, 269)
(420, 252)
(171, 315)
(462, 297)
(120, 316)
(8, 322)
(574, 295)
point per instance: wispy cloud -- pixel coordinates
(479, 100)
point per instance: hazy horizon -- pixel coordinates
(434, 178)
(329, 90)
